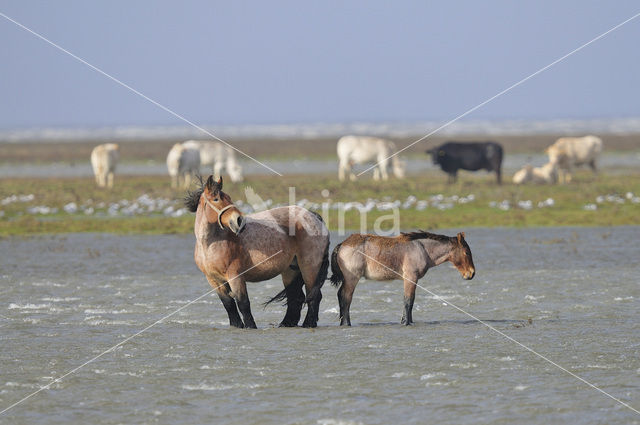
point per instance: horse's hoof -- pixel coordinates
(287, 325)
(309, 325)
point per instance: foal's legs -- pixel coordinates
(409, 297)
(345, 296)
(293, 283)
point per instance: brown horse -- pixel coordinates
(232, 249)
(408, 256)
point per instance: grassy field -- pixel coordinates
(325, 147)
(143, 204)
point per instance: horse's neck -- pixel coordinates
(207, 233)
(438, 251)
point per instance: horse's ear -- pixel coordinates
(460, 237)
(219, 182)
(209, 183)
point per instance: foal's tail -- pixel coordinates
(337, 278)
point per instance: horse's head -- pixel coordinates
(461, 257)
(219, 208)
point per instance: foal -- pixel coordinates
(407, 256)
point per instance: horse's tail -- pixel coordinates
(292, 288)
(337, 278)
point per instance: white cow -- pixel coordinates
(183, 163)
(548, 174)
(363, 149)
(569, 152)
(218, 155)
(103, 160)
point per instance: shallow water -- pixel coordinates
(570, 294)
(512, 162)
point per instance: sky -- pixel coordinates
(232, 63)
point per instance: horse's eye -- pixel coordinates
(215, 199)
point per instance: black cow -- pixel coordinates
(472, 156)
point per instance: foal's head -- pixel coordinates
(219, 208)
(461, 257)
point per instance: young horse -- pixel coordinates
(232, 249)
(409, 255)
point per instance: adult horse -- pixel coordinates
(183, 163)
(569, 152)
(215, 154)
(103, 161)
(363, 149)
(407, 256)
(232, 249)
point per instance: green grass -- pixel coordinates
(567, 210)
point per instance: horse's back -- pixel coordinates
(363, 148)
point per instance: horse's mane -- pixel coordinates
(192, 199)
(421, 234)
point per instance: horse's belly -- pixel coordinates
(380, 273)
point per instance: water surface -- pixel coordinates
(570, 294)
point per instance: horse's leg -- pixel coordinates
(228, 302)
(293, 283)
(342, 168)
(345, 296)
(383, 169)
(409, 297)
(110, 179)
(314, 265)
(376, 174)
(592, 164)
(239, 289)
(230, 305)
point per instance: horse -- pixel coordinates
(221, 157)
(183, 163)
(363, 149)
(548, 173)
(103, 161)
(232, 249)
(408, 255)
(569, 152)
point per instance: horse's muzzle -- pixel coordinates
(469, 274)
(237, 223)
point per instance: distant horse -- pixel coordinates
(103, 161)
(363, 149)
(216, 154)
(569, 152)
(232, 249)
(183, 164)
(408, 255)
(548, 174)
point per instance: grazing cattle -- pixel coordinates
(472, 156)
(547, 174)
(363, 149)
(182, 163)
(569, 152)
(218, 155)
(103, 160)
